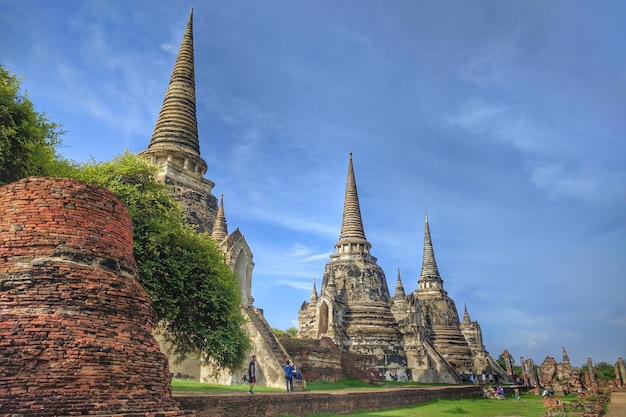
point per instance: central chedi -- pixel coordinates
(415, 336)
(353, 304)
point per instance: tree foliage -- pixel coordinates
(196, 296)
(604, 371)
(517, 370)
(290, 332)
(28, 139)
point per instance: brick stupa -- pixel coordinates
(75, 325)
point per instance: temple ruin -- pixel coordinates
(413, 337)
(561, 378)
(416, 336)
(175, 148)
(76, 325)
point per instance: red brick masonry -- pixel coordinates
(75, 325)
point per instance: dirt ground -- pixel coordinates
(617, 406)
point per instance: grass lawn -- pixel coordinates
(184, 385)
(529, 406)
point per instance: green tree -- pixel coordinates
(604, 371)
(279, 333)
(28, 139)
(517, 370)
(196, 296)
(290, 332)
(502, 362)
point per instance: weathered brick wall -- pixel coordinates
(303, 403)
(75, 325)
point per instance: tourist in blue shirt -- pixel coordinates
(289, 370)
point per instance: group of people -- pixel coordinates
(290, 373)
(483, 378)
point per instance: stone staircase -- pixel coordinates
(270, 339)
(268, 349)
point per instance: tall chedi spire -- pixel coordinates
(429, 279)
(439, 311)
(352, 236)
(175, 136)
(353, 306)
(174, 146)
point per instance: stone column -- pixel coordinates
(618, 377)
(592, 371)
(532, 374)
(622, 369)
(507, 361)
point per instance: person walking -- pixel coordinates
(289, 369)
(252, 374)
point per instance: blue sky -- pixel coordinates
(505, 120)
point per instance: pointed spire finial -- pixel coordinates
(399, 287)
(220, 227)
(314, 292)
(352, 236)
(429, 264)
(466, 317)
(176, 129)
(429, 279)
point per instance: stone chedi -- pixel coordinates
(353, 304)
(175, 148)
(439, 314)
(75, 324)
(416, 336)
(174, 145)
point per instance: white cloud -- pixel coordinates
(299, 285)
(590, 185)
(493, 64)
(298, 250)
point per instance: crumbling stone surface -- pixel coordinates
(322, 360)
(75, 325)
(562, 378)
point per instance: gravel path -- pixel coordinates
(617, 406)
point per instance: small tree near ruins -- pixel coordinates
(28, 139)
(196, 296)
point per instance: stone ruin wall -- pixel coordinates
(75, 325)
(322, 360)
(194, 196)
(562, 378)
